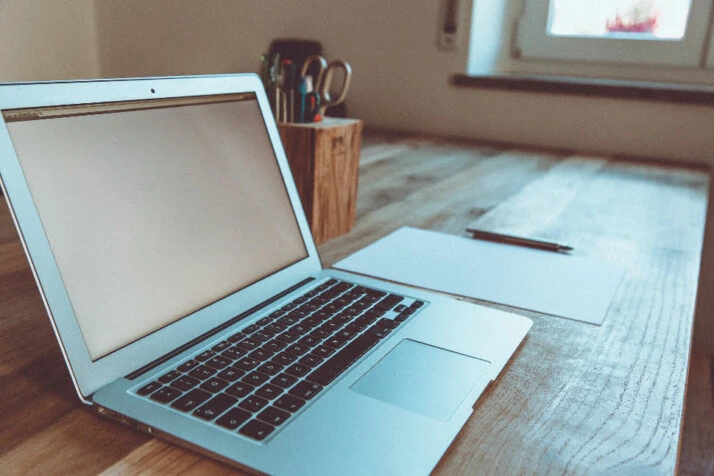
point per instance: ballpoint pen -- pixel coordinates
(519, 241)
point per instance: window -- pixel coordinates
(646, 32)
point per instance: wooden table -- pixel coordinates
(576, 397)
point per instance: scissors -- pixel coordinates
(322, 81)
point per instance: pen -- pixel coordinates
(518, 241)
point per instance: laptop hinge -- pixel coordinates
(215, 330)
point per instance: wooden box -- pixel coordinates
(324, 159)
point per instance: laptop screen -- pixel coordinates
(155, 209)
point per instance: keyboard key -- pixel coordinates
(191, 400)
(263, 336)
(389, 302)
(312, 321)
(251, 328)
(214, 385)
(288, 320)
(215, 406)
(248, 344)
(253, 403)
(284, 359)
(330, 326)
(299, 313)
(305, 390)
(237, 337)
(270, 368)
(370, 291)
(336, 342)
(218, 362)
(265, 321)
(400, 308)
(149, 388)
(275, 345)
(202, 372)
(185, 383)
(378, 331)
(221, 346)
(289, 403)
(320, 334)
(375, 313)
(300, 328)
(255, 378)
(165, 394)
(274, 416)
(402, 317)
(388, 323)
(284, 380)
(308, 341)
(325, 314)
(298, 370)
(188, 365)
(231, 374)
(353, 310)
(288, 337)
(417, 304)
(239, 389)
(311, 360)
(205, 355)
(261, 354)
(247, 363)
(323, 351)
(354, 327)
(343, 318)
(256, 429)
(166, 378)
(339, 362)
(269, 391)
(234, 353)
(297, 349)
(345, 334)
(276, 328)
(234, 418)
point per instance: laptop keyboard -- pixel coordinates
(255, 381)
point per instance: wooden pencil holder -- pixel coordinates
(324, 159)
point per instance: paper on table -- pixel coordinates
(552, 283)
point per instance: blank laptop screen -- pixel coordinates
(155, 209)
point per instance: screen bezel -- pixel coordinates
(88, 375)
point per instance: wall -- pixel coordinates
(401, 79)
(46, 40)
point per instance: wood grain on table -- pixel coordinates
(576, 398)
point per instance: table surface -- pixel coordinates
(576, 397)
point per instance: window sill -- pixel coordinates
(619, 89)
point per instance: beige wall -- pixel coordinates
(47, 39)
(401, 79)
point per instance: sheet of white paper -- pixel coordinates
(552, 283)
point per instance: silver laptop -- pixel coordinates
(175, 262)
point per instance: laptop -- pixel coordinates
(168, 242)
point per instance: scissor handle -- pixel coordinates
(325, 99)
(321, 66)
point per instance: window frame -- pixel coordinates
(533, 41)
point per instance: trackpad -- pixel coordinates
(422, 378)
